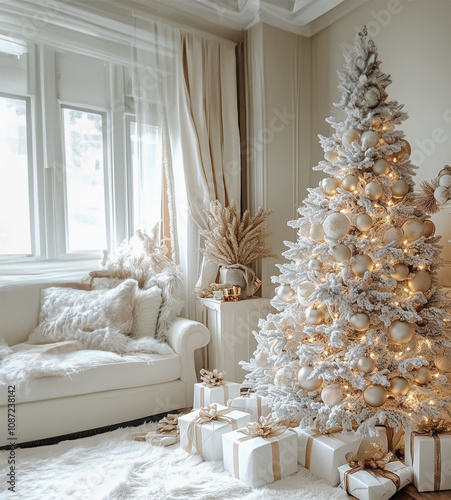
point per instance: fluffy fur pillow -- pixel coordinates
(145, 312)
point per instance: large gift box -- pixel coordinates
(214, 389)
(374, 484)
(201, 430)
(261, 454)
(257, 406)
(322, 453)
(428, 452)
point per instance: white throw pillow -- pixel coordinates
(98, 319)
(145, 312)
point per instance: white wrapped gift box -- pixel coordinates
(430, 459)
(257, 406)
(257, 461)
(206, 439)
(365, 484)
(322, 454)
(204, 395)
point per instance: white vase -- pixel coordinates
(233, 277)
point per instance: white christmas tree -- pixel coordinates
(360, 335)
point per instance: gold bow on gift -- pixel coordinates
(434, 426)
(213, 378)
(169, 424)
(289, 423)
(266, 427)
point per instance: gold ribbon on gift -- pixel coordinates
(213, 378)
(169, 424)
(355, 467)
(433, 428)
(308, 448)
(265, 428)
(206, 414)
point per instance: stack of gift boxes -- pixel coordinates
(238, 429)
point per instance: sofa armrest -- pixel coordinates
(185, 336)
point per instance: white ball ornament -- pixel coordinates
(332, 395)
(400, 332)
(401, 272)
(261, 358)
(331, 156)
(445, 180)
(313, 316)
(314, 265)
(336, 225)
(399, 386)
(317, 232)
(445, 171)
(372, 96)
(423, 375)
(366, 364)
(375, 395)
(350, 182)
(429, 228)
(374, 191)
(369, 139)
(361, 265)
(421, 282)
(309, 385)
(286, 293)
(443, 362)
(341, 253)
(441, 194)
(360, 321)
(363, 222)
(349, 137)
(329, 185)
(413, 230)
(381, 167)
(393, 235)
(400, 188)
(305, 289)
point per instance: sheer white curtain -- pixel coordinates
(191, 80)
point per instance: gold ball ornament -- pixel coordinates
(399, 386)
(317, 232)
(361, 265)
(393, 235)
(331, 156)
(443, 362)
(308, 385)
(341, 253)
(372, 97)
(429, 228)
(314, 265)
(374, 191)
(369, 139)
(406, 147)
(375, 395)
(332, 395)
(349, 137)
(400, 188)
(421, 282)
(261, 359)
(401, 272)
(286, 293)
(423, 375)
(366, 364)
(313, 315)
(360, 321)
(363, 222)
(400, 332)
(350, 182)
(305, 289)
(445, 171)
(413, 230)
(336, 225)
(381, 167)
(329, 185)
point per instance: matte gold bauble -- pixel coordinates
(372, 97)
(400, 332)
(375, 395)
(393, 235)
(261, 358)
(286, 293)
(336, 225)
(421, 282)
(314, 265)
(360, 321)
(350, 182)
(401, 272)
(429, 228)
(349, 137)
(443, 362)
(413, 230)
(331, 156)
(313, 316)
(361, 265)
(329, 185)
(399, 386)
(381, 167)
(305, 289)
(317, 232)
(374, 191)
(423, 375)
(341, 253)
(406, 147)
(363, 222)
(332, 395)
(445, 171)
(308, 385)
(369, 139)
(366, 364)
(400, 188)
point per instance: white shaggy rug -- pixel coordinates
(111, 466)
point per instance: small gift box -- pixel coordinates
(374, 484)
(214, 389)
(166, 434)
(388, 438)
(323, 453)
(428, 452)
(201, 430)
(257, 406)
(261, 454)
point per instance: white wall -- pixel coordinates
(413, 39)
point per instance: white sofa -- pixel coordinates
(130, 388)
